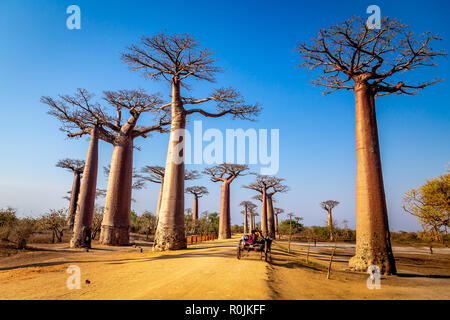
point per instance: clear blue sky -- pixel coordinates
(254, 42)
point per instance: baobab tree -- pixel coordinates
(79, 112)
(76, 167)
(79, 116)
(197, 192)
(374, 60)
(277, 187)
(276, 212)
(155, 174)
(328, 206)
(252, 215)
(176, 59)
(121, 134)
(248, 208)
(267, 186)
(226, 173)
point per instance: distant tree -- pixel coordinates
(147, 222)
(155, 174)
(277, 211)
(430, 203)
(8, 219)
(213, 219)
(54, 221)
(225, 173)
(22, 230)
(328, 206)
(267, 186)
(197, 192)
(76, 167)
(248, 208)
(97, 222)
(175, 59)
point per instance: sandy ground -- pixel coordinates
(210, 270)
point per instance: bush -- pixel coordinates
(54, 221)
(7, 220)
(287, 226)
(22, 231)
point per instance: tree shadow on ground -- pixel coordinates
(415, 275)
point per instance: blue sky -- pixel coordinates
(254, 42)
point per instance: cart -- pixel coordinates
(262, 246)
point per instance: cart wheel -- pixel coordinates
(267, 255)
(239, 252)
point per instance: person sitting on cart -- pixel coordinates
(252, 238)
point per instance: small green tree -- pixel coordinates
(147, 223)
(430, 203)
(213, 219)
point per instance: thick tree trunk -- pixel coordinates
(225, 219)
(270, 218)
(245, 220)
(170, 233)
(85, 209)
(115, 229)
(74, 198)
(373, 245)
(195, 209)
(264, 214)
(330, 225)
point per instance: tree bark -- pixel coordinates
(373, 245)
(264, 213)
(85, 209)
(270, 218)
(170, 233)
(195, 209)
(116, 219)
(245, 220)
(330, 225)
(225, 219)
(74, 198)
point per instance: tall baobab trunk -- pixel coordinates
(270, 217)
(264, 213)
(74, 198)
(245, 220)
(195, 209)
(330, 225)
(85, 209)
(116, 218)
(373, 245)
(225, 219)
(170, 233)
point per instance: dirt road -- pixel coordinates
(208, 270)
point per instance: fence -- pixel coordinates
(197, 239)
